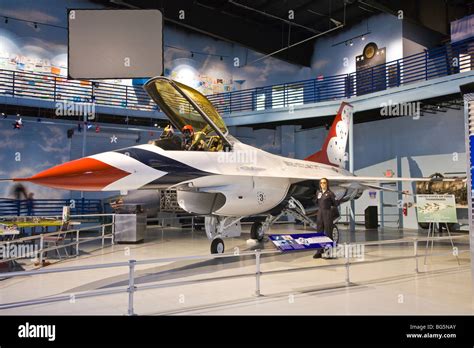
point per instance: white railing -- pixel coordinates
(131, 264)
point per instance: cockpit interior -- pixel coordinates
(195, 125)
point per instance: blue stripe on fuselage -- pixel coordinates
(176, 171)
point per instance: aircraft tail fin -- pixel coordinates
(334, 147)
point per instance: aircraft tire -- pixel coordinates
(217, 246)
(335, 234)
(256, 231)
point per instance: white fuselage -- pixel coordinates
(249, 181)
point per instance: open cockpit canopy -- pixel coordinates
(185, 106)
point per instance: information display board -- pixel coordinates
(436, 208)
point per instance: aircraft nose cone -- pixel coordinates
(85, 174)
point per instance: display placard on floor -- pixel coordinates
(301, 241)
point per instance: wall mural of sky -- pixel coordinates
(29, 150)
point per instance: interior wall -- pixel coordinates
(245, 75)
(43, 42)
(333, 57)
(417, 38)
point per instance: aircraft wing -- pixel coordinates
(368, 180)
(383, 188)
(342, 180)
(373, 182)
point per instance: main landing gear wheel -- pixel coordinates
(335, 234)
(256, 231)
(217, 246)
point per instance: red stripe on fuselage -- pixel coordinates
(85, 174)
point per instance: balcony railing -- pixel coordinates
(437, 62)
(45, 207)
(31, 85)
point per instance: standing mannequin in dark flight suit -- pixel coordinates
(325, 199)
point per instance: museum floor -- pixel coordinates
(391, 287)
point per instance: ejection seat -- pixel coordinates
(171, 143)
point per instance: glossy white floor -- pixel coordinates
(392, 287)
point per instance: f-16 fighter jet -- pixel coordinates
(215, 174)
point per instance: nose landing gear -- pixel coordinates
(217, 246)
(219, 227)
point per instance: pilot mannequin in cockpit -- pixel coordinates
(193, 141)
(188, 134)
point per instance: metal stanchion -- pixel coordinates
(41, 250)
(346, 251)
(430, 234)
(103, 235)
(415, 249)
(257, 273)
(131, 286)
(77, 243)
(113, 229)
